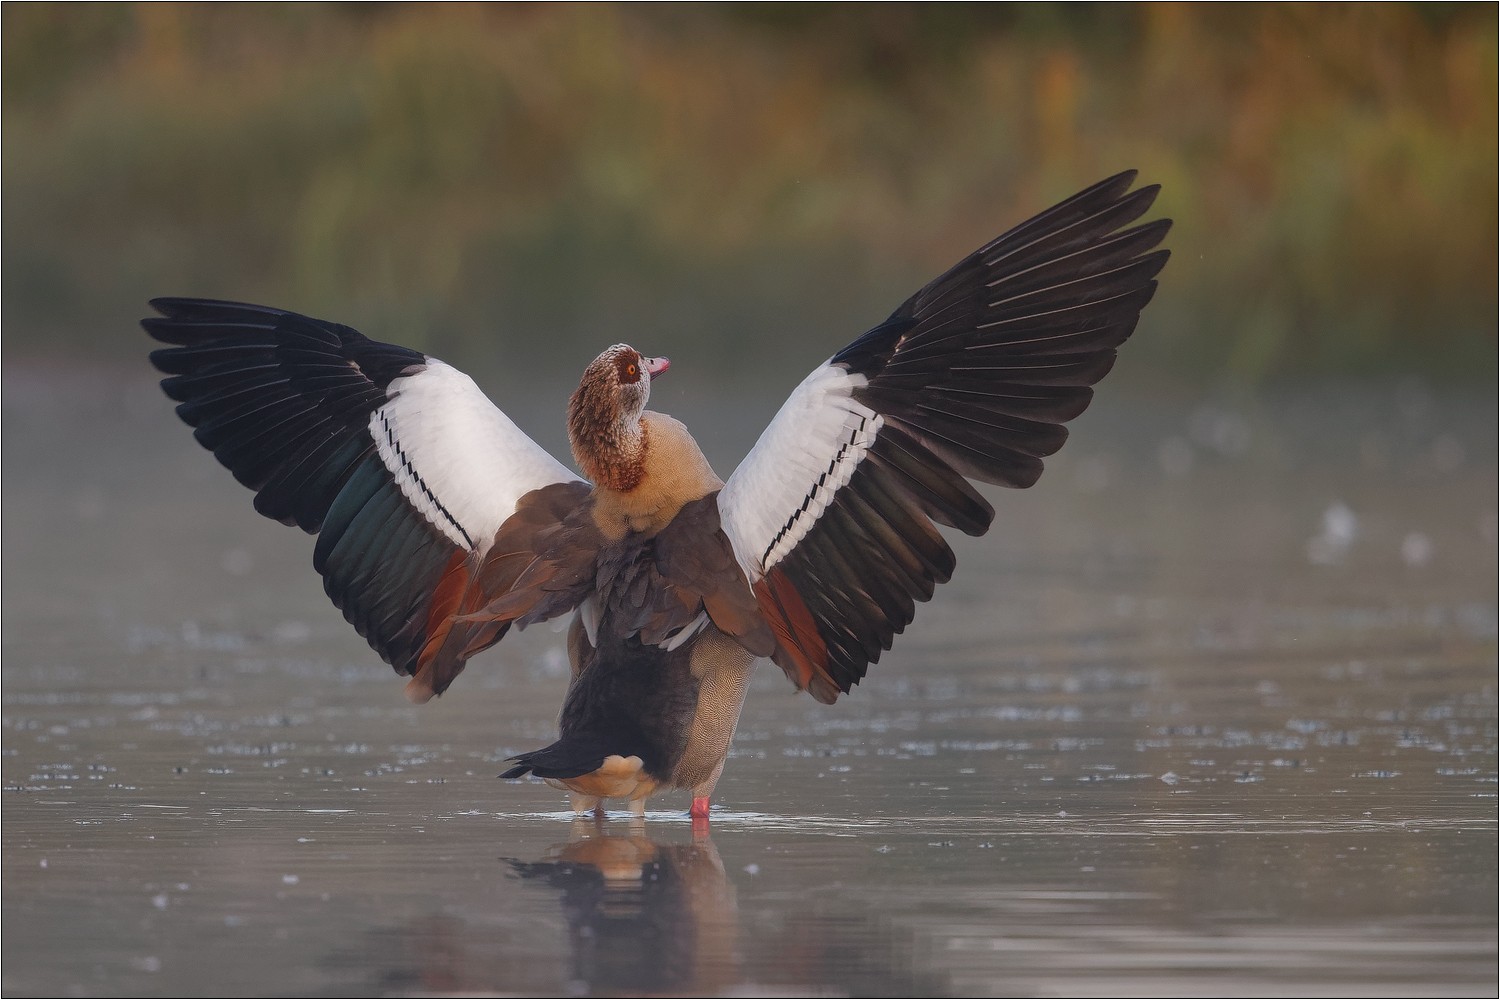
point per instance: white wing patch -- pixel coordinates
(682, 635)
(588, 613)
(807, 453)
(459, 461)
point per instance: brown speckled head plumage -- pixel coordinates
(604, 418)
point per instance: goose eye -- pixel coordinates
(632, 372)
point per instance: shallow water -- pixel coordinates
(1211, 710)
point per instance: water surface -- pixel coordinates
(1211, 710)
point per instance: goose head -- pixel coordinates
(604, 415)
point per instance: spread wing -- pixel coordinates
(398, 462)
(832, 513)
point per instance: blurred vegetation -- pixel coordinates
(750, 179)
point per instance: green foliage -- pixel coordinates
(462, 178)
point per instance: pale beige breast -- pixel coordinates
(675, 473)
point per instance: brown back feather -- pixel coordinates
(551, 556)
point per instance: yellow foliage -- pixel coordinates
(717, 173)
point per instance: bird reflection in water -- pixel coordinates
(643, 914)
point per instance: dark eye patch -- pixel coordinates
(628, 368)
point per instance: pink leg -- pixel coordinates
(700, 807)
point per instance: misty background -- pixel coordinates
(514, 187)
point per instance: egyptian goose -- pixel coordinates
(440, 524)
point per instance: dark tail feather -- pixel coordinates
(567, 758)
